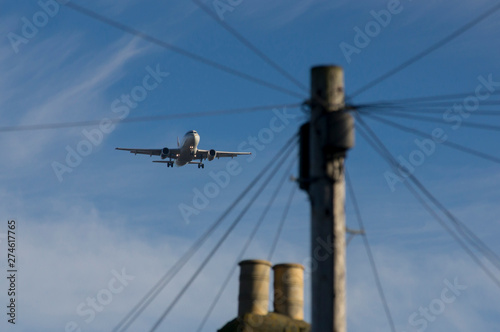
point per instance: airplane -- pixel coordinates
(186, 152)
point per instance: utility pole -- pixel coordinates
(324, 143)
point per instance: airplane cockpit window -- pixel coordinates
(191, 132)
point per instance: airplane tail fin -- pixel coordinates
(178, 142)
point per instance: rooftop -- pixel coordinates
(270, 322)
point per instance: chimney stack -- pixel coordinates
(289, 290)
(254, 287)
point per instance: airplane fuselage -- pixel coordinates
(188, 148)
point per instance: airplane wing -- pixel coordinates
(218, 154)
(172, 153)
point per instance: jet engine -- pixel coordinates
(164, 153)
(211, 155)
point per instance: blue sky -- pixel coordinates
(115, 212)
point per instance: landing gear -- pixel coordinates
(201, 165)
(170, 164)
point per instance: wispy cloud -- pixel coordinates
(60, 82)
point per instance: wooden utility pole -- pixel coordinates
(324, 143)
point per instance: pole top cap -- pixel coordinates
(322, 67)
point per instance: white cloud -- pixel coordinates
(70, 254)
(414, 280)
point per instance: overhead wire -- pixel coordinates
(440, 111)
(443, 103)
(148, 118)
(382, 109)
(427, 51)
(274, 195)
(473, 239)
(443, 142)
(445, 97)
(146, 300)
(282, 223)
(467, 235)
(467, 123)
(316, 98)
(369, 252)
(429, 209)
(120, 26)
(223, 238)
(249, 45)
